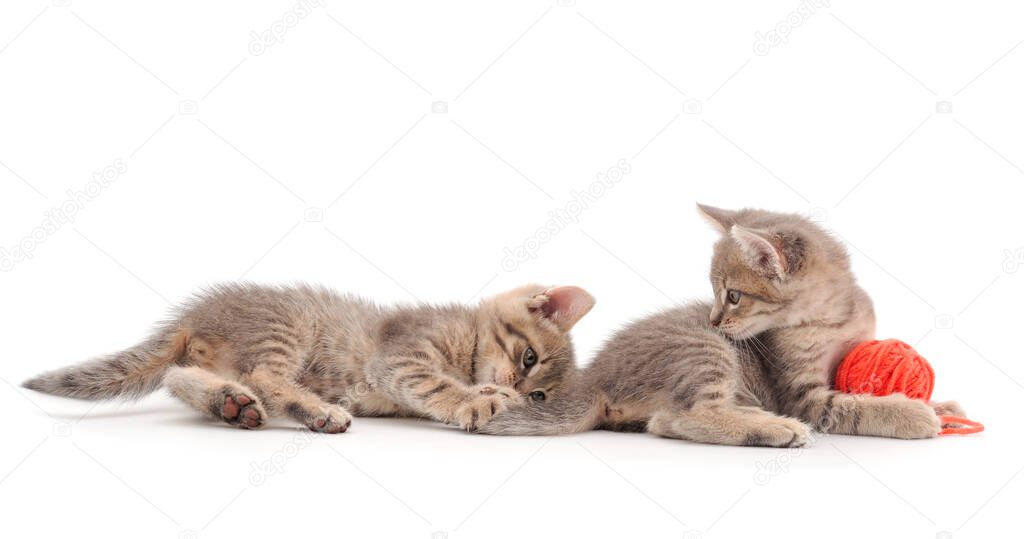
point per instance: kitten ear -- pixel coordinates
(563, 305)
(721, 219)
(760, 251)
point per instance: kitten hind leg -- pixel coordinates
(728, 424)
(282, 396)
(215, 396)
(704, 403)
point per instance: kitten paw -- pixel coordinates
(330, 420)
(239, 408)
(486, 402)
(914, 419)
(780, 432)
(948, 408)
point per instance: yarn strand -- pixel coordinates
(882, 368)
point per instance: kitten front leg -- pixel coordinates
(948, 408)
(417, 384)
(481, 404)
(892, 416)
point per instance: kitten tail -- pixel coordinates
(130, 373)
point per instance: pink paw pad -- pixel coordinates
(241, 410)
(330, 426)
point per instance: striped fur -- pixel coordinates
(756, 371)
(244, 353)
(131, 373)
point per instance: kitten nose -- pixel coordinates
(716, 316)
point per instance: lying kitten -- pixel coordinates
(243, 353)
(754, 367)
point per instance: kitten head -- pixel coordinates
(523, 338)
(772, 270)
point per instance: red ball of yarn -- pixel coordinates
(885, 367)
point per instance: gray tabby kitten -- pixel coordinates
(752, 368)
(244, 353)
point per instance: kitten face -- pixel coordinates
(745, 303)
(772, 270)
(523, 338)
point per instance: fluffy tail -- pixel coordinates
(129, 373)
(577, 411)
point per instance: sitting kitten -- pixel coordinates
(243, 353)
(754, 367)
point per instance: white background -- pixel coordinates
(840, 121)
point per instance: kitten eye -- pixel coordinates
(538, 396)
(529, 358)
(734, 296)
